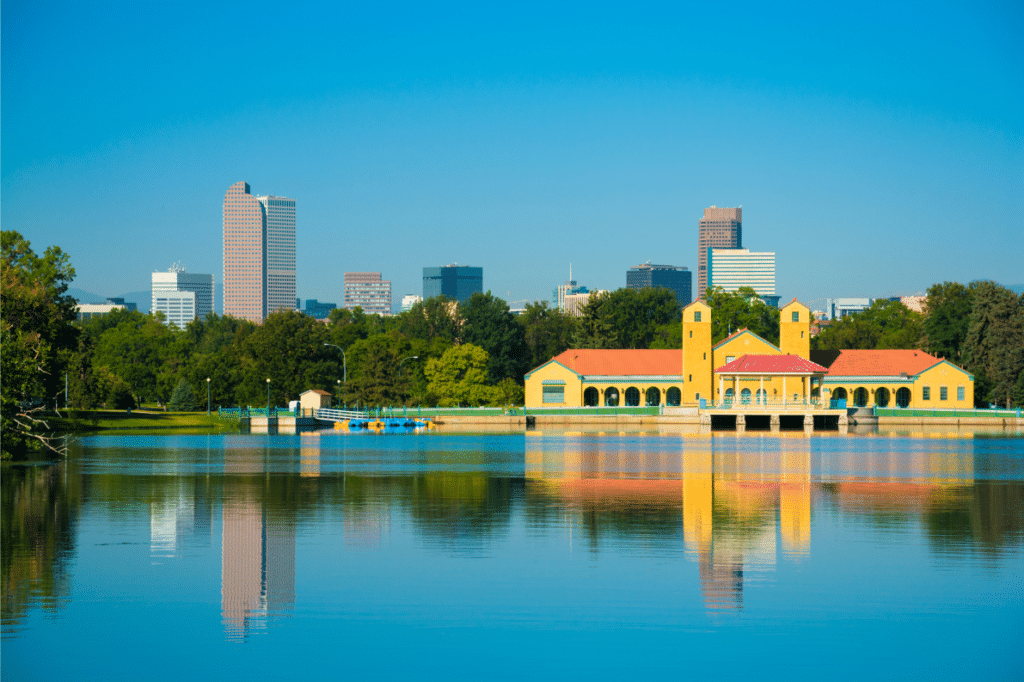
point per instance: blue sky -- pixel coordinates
(876, 148)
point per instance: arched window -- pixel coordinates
(762, 397)
(590, 397)
(903, 397)
(653, 397)
(632, 397)
(728, 396)
(611, 396)
(882, 397)
(860, 397)
(839, 394)
(673, 397)
(745, 396)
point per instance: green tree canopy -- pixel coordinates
(735, 310)
(885, 324)
(547, 332)
(459, 377)
(488, 323)
(994, 346)
(947, 316)
(38, 339)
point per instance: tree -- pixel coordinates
(994, 345)
(37, 339)
(182, 399)
(593, 329)
(434, 318)
(948, 312)
(489, 324)
(373, 371)
(547, 332)
(288, 348)
(884, 325)
(144, 352)
(742, 309)
(459, 377)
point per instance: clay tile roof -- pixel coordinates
(771, 364)
(317, 391)
(881, 363)
(608, 362)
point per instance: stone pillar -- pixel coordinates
(785, 398)
(808, 423)
(721, 389)
(741, 423)
(775, 422)
(735, 390)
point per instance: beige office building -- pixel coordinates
(368, 291)
(259, 254)
(720, 228)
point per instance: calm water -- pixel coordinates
(506, 556)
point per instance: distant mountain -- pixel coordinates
(142, 299)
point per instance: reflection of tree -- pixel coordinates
(989, 514)
(38, 520)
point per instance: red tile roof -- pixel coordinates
(609, 362)
(881, 363)
(771, 364)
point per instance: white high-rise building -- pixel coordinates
(731, 269)
(368, 291)
(280, 269)
(182, 297)
(409, 300)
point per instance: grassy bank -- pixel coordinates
(78, 421)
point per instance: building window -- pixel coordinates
(943, 393)
(729, 358)
(960, 393)
(801, 335)
(796, 315)
(691, 335)
(696, 316)
(926, 393)
(673, 397)
(553, 394)
(691, 378)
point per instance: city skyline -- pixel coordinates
(521, 145)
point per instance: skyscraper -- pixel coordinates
(280, 212)
(368, 291)
(678, 280)
(731, 269)
(454, 281)
(182, 297)
(259, 253)
(720, 228)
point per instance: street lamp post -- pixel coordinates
(411, 357)
(344, 362)
(338, 381)
(268, 398)
(207, 396)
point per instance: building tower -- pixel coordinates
(368, 291)
(259, 254)
(678, 280)
(182, 297)
(730, 269)
(280, 212)
(795, 329)
(454, 281)
(698, 375)
(720, 228)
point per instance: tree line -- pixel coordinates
(438, 353)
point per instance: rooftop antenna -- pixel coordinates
(177, 266)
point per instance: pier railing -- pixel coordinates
(947, 412)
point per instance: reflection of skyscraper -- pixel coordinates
(258, 552)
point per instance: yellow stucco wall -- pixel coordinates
(942, 374)
(795, 337)
(553, 371)
(697, 358)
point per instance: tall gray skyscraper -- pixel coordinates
(280, 213)
(720, 228)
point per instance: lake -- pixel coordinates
(547, 554)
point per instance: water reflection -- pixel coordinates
(735, 497)
(257, 546)
(735, 509)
